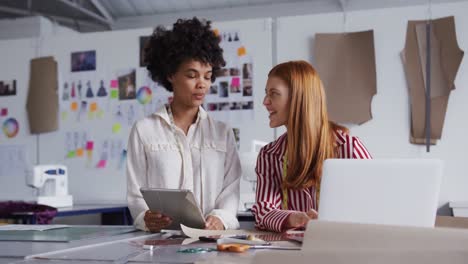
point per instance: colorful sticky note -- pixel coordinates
(235, 81)
(80, 152)
(114, 94)
(64, 115)
(116, 128)
(101, 164)
(4, 112)
(71, 154)
(74, 106)
(89, 145)
(216, 32)
(100, 113)
(93, 107)
(114, 84)
(241, 51)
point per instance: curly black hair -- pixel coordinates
(189, 39)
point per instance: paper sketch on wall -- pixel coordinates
(346, 65)
(230, 97)
(143, 40)
(83, 61)
(16, 158)
(445, 59)
(7, 88)
(75, 144)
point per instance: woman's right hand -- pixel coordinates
(155, 221)
(299, 219)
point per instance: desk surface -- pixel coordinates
(117, 249)
(21, 249)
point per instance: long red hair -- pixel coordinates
(310, 138)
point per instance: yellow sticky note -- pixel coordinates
(93, 107)
(116, 128)
(64, 115)
(241, 51)
(100, 113)
(74, 106)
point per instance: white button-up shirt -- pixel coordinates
(209, 165)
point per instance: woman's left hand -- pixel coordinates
(213, 223)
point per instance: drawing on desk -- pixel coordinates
(196, 233)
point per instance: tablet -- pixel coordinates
(178, 204)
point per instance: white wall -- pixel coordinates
(114, 50)
(387, 134)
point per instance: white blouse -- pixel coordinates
(209, 165)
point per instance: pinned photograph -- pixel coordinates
(7, 88)
(235, 106)
(247, 87)
(213, 89)
(83, 61)
(235, 85)
(212, 107)
(234, 71)
(247, 105)
(223, 89)
(127, 88)
(223, 106)
(247, 71)
(222, 72)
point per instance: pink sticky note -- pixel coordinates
(89, 145)
(235, 81)
(4, 112)
(114, 84)
(101, 164)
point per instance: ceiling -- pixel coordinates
(99, 15)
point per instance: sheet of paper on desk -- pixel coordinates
(30, 227)
(196, 233)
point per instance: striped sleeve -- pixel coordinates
(266, 209)
(359, 150)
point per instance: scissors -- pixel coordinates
(239, 248)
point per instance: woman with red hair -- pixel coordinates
(289, 169)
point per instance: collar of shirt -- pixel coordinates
(164, 115)
(278, 147)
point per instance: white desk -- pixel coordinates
(25, 249)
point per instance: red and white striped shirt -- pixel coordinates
(267, 208)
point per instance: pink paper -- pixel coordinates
(235, 81)
(89, 145)
(4, 112)
(101, 164)
(114, 84)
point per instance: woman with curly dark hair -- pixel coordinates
(180, 146)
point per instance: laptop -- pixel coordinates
(402, 192)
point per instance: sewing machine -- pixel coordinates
(51, 181)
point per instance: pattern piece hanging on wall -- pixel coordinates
(446, 57)
(42, 103)
(346, 65)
